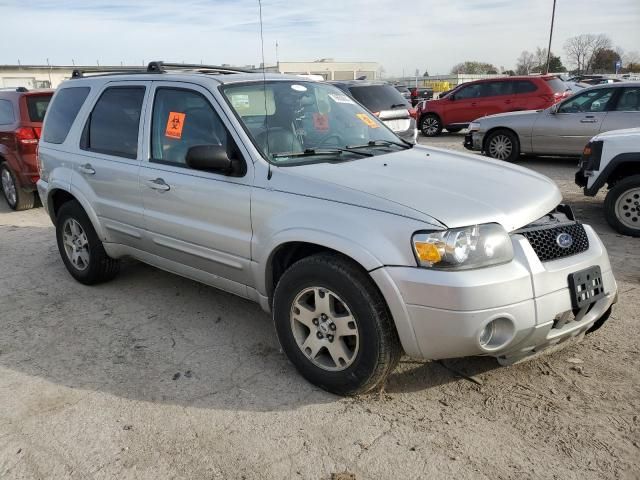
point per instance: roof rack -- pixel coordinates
(157, 67)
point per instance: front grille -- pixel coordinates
(544, 240)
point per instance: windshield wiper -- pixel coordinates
(399, 105)
(311, 152)
(382, 143)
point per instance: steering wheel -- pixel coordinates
(326, 138)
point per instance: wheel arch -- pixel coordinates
(58, 196)
(619, 167)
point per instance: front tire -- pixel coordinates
(503, 145)
(431, 126)
(17, 198)
(334, 326)
(80, 248)
(622, 206)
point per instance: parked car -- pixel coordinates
(291, 194)
(563, 129)
(459, 107)
(385, 102)
(404, 91)
(420, 94)
(21, 115)
(613, 159)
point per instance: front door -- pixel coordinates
(464, 106)
(570, 128)
(198, 219)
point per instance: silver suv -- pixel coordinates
(289, 193)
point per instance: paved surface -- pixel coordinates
(153, 376)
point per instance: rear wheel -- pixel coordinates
(503, 145)
(622, 206)
(334, 326)
(17, 198)
(431, 125)
(80, 247)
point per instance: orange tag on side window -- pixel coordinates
(367, 120)
(175, 123)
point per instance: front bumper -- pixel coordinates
(473, 141)
(442, 314)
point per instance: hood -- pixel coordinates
(617, 133)
(455, 189)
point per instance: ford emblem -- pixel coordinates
(564, 240)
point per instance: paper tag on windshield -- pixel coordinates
(367, 120)
(339, 98)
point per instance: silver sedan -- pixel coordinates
(563, 129)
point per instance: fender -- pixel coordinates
(603, 177)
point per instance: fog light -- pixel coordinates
(496, 334)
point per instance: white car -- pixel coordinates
(613, 158)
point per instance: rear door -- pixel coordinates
(107, 164)
(577, 119)
(525, 95)
(495, 98)
(195, 218)
(625, 113)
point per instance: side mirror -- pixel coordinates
(209, 157)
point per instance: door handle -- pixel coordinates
(158, 184)
(588, 121)
(87, 169)
(473, 104)
(507, 102)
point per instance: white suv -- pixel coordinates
(291, 194)
(613, 158)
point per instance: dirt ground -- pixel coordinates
(153, 376)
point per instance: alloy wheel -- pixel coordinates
(430, 126)
(76, 244)
(325, 329)
(9, 187)
(500, 147)
(627, 208)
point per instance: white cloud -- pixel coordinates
(400, 35)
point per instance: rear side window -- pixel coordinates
(63, 112)
(629, 101)
(524, 86)
(556, 85)
(6, 112)
(494, 89)
(112, 127)
(379, 97)
(37, 106)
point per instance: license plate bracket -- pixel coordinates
(586, 286)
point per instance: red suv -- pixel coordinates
(21, 115)
(459, 107)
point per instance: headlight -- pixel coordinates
(463, 248)
(474, 126)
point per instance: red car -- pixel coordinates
(459, 107)
(21, 115)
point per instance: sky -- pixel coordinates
(401, 35)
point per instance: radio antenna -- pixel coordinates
(264, 87)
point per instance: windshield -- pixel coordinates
(291, 121)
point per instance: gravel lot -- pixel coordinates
(154, 376)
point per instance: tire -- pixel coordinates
(431, 126)
(502, 145)
(368, 346)
(622, 206)
(75, 234)
(17, 197)
(453, 129)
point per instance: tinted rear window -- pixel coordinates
(63, 112)
(556, 85)
(524, 86)
(378, 97)
(6, 112)
(37, 107)
(113, 125)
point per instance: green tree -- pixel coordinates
(604, 61)
(474, 68)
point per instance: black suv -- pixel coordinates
(385, 102)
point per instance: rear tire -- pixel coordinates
(334, 326)
(17, 198)
(622, 206)
(80, 247)
(503, 145)
(431, 126)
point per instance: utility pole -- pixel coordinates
(277, 57)
(553, 16)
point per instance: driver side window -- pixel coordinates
(591, 101)
(472, 91)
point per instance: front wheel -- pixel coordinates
(431, 125)
(334, 326)
(622, 206)
(503, 145)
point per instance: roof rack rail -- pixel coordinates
(79, 73)
(14, 89)
(162, 67)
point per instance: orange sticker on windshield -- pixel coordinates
(367, 120)
(175, 123)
